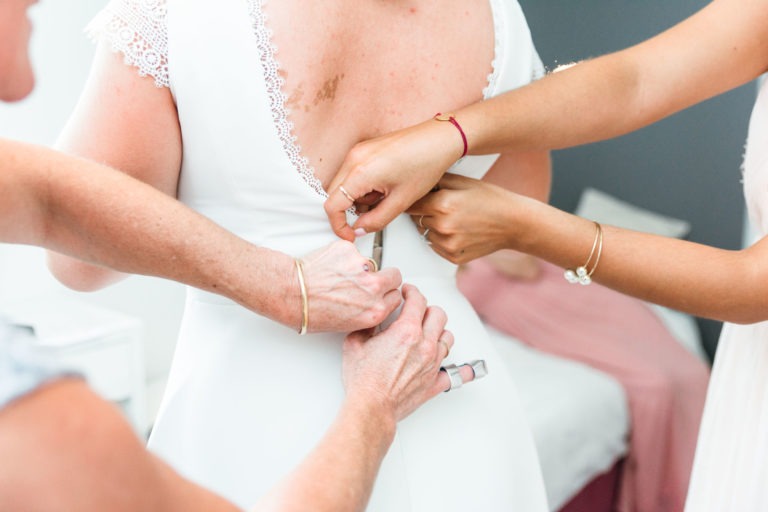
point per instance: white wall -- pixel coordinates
(62, 56)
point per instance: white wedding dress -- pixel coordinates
(730, 470)
(247, 398)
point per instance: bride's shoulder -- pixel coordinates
(139, 30)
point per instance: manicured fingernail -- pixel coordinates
(360, 232)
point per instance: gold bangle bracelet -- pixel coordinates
(304, 297)
(583, 274)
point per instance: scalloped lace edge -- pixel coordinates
(139, 32)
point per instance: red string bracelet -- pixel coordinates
(452, 119)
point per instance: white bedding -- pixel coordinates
(578, 415)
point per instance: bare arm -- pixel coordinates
(527, 173)
(479, 218)
(530, 174)
(386, 377)
(127, 122)
(86, 210)
(73, 451)
(722, 46)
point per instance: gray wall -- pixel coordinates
(687, 166)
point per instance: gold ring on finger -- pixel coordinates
(346, 194)
(421, 218)
(374, 266)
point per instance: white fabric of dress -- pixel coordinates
(247, 398)
(730, 470)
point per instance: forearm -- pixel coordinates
(73, 451)
(564, 109)
(697, 279)
(338, 474)
(94, 213)
(717, 49)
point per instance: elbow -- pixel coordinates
(79, 275)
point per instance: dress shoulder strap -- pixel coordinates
(139, 30)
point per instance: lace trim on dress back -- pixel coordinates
(138, 29)
(277, 99)
(493, 77)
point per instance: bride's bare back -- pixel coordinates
(355, 69)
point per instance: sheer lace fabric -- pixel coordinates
(139, 31)
(277, 99)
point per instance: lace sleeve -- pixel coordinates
(138, 30)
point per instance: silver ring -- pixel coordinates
(453, 375)
(346, 194)
(424, 236)
(421, 218)
(479, 368)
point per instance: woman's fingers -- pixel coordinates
(414, 305)
(345, 294)
(434, 323)
(445, 344)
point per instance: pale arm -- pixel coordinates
(384, 385)
(80, 208)
(73, 451)
(127, 122)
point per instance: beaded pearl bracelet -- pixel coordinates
(582, 274)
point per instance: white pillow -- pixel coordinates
(606, 209)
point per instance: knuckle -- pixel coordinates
(356, 155)
(378, 313)
(445, 203)
(438, 313)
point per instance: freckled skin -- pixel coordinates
(328, 91)
(361, 68)
(296, 95)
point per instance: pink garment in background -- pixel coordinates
(665, 384)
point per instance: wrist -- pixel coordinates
(447, 139)
(451, 119)
(267, 283)
(376, 417)
(525, 225)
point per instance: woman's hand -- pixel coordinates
(344, 292)
(399, 368)
(467, 218)
(392, 172)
